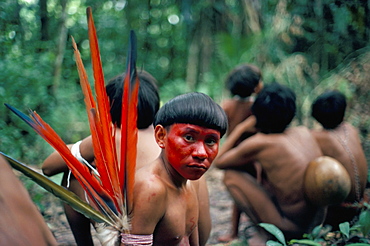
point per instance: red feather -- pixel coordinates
(96, 192)
(108, 166)
(129, 121)
(114, 183)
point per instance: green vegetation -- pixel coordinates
(188, 46)
(356, 235)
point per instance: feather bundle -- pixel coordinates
(110, 192)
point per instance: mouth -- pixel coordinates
(198, 166)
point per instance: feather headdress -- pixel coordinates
(110, 186)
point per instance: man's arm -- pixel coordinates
(149, 205)
(230, 156)
(245, 126)
(87, 149)
(55, 164)
(204, 221)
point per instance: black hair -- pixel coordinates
(274, 108)
(148, 101)
(242, 80)
(329, 109)
(192, 108)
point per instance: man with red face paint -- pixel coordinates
(166, 208)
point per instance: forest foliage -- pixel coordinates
(188, 45)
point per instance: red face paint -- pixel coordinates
(190, 149)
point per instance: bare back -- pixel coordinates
(237, 111)
(344, 144)
(284, 158)
(147, 148)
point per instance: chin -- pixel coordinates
(195, 177)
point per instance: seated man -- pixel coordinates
(340, 140)
(284, 154)
(20, 221)
(147, 151)
(243, 83)
(166, 208)
(147, 148)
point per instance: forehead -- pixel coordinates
(183, 127)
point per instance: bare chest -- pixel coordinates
(180, 220)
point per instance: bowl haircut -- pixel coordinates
(274, 108)
(243, 80)
(148, 101)
(329, 109)
(192, 108)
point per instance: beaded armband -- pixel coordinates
(131, 240)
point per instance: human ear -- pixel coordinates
(259, 87)
(160, 135)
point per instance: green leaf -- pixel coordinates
(358, 244)
(344, 229)
(364, 221)
(274, 231)
(305, 242)
(273, 243)
(59, 191)
(316, 231)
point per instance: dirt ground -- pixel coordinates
(220, 203)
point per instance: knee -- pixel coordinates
(229, 178)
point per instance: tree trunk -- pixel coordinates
(193, 63)
(253, 18)
(61, 49)
(44, 20)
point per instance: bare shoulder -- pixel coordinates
(321, 136)
(150, 200)
(352, 129)
(148, 180)
(301, 131)
(256, 142)
(227, 105)
(261, 139)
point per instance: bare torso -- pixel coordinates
(237, 110)
(174, 221)
(284, 159)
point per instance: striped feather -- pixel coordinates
(129, 118)
(82, 173)
(111, 192)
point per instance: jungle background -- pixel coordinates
(188, 45)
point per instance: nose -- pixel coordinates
(200, 152)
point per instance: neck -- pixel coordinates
(338, 128)
(243, 99)
(173, 176)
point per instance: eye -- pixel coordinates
(210, 141)
(189, 138)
